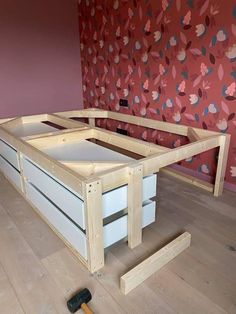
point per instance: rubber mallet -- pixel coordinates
(79, 301)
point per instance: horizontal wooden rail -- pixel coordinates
(154, 163)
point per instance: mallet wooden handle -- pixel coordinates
(86, 309)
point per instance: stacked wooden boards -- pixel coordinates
(90, 195)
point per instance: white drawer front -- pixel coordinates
(118, 229)
(68, 202)
(114, 201)
(9, 154)
(149, 187)
(117, 200)
(11, 173)
(62, 224)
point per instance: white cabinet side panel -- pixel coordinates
(9, 154)
(65, 227)
(11, 173)
(118, 229)
(68, 202)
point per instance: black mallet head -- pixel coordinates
(83, 296)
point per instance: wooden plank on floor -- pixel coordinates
(153, 263)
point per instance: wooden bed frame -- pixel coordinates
(75, 192)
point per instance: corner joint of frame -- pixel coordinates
(135, 168)
(93, 186)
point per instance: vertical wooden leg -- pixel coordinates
(94, 224)
(135, 199)
(92, 122)
(222, 163)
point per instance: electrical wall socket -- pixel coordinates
(121, 131)
(124, 102)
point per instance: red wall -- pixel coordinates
(173, 60)
(39, 53)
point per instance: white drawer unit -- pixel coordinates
(113, 232)
(10, 172)
(69, 202)
(9, 153)
(149, 187)
(66, 200)
(117, 199)
(74, 236)
(118, 229)
(114, 201)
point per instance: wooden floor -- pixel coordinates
(38, 273)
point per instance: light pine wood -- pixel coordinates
(135, 198)
(201, 280)
(94, 224)
(5, 120)
(131, 144)
(53, 140)
(43, 151)
(221, 164)
(153, 263)
(156, 156)
(88, 168)
(92, 122)
(192, 135)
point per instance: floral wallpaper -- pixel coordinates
(173, 60)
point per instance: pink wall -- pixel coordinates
(40, 67)
(173, 60)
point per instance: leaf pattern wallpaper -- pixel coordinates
(173, 60)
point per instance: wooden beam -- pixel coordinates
(35, 118)
(154, 124)
(222, 163)
(5, 120)
(114, 178)
(89, 168)
(61, 138)
(86, 113)
(192, 135)
(94, 224)
(12, 123)
(129, 143)
(94, 162)
(48, 134)
(209, 187)
(135, 199)
(141, 272)
(65, 122)
(92, 122)
(140, 121)
(153, 163)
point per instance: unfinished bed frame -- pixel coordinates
(92, 196)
